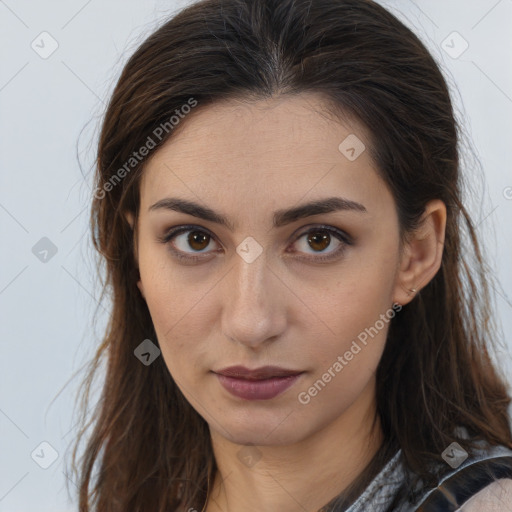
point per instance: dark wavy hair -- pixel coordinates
(151, 449)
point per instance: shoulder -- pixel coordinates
(482, 483)
(496, 497)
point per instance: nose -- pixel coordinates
(254, 307)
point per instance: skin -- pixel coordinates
(246, 159)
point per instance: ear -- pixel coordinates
(422, 253)
(130, 218)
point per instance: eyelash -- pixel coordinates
(338, 234)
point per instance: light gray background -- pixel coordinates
(47, 307)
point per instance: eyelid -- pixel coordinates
(339, 234)
(178, 230)
(331, 229)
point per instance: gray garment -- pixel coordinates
(380, 492)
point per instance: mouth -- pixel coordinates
(259, 384)
(264, 372)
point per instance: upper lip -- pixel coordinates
(264, 372)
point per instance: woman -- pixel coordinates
(295, 324)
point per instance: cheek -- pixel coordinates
(345, 362)
(165, 286)
(356, 311)
(168, 305)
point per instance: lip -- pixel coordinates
(259, 384)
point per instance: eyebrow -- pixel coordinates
(281, 217)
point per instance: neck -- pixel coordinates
(301, 477)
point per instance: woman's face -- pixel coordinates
(278, 283)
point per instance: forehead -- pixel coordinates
(266, 153)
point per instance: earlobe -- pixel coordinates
(422, 254)
(130, 219)
(141, 288)
(405, 285)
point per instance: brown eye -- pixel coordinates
(319, 241)
(189, 243)
(198, 240)
(322, 243)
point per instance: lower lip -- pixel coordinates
(264, 389)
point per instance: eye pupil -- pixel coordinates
(319, 238)
(198, 237)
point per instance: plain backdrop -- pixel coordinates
(59, 63)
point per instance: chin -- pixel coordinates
(260, 431)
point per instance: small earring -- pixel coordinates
(413, 290)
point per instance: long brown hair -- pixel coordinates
(151, 449)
